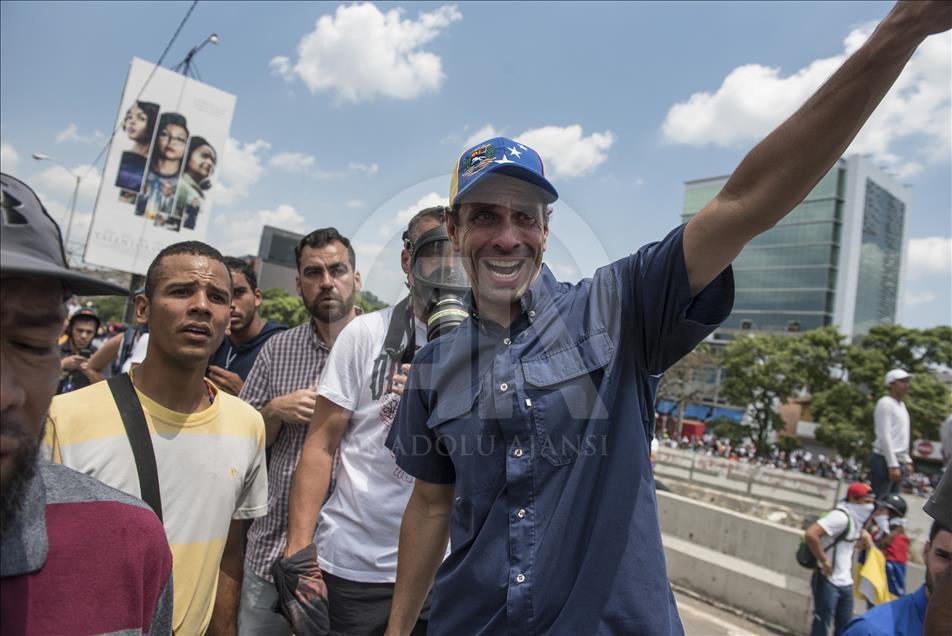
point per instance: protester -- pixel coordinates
(232, 362)
(76, 351)
(906, 615)
(282, 386)
(205, 471)
(577, 366)
(832, 540)
(122, 352)
(76, 556)
(358, 526)
(889, 534)
(890, 458)
(938, 618)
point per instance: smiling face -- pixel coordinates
(327, 282)
(501, 233)
(201, 163)
(189, 310)
(171, 142)
(31, 316)
(136, 124)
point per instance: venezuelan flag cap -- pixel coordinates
(499, 156)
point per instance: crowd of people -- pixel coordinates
(805, 461)
(462, 462)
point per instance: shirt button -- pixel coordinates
(507, 341)
(522, 513)
(520, 578)
(517, 452)
(503, 387)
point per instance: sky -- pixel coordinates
(352, 115)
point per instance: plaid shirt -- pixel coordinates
(290, 361)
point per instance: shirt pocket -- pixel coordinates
(564, 394)
(462, 435)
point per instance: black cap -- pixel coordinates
(31, 243)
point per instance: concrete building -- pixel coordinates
(275, 264)
(836, 259)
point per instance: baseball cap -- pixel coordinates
(31, 243)
(896, 374)
(499, 156)
(858, 490)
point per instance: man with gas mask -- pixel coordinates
(358, 526)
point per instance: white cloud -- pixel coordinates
(486, 132)
(361, 52)
(240, 234)
(60, 183)
(919, 298)
(9, 158)
(565, 151)
(292, 161)
(239, 170)
(932, 255)
(370, 169)
(71, 133)
(354, 204)
(753, 99)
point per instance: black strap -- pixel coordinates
(842, 535)
(400, 342)
(124, 393)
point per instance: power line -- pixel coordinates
(142, 90)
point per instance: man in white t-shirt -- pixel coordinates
(832, 540)
(890, 458)
(358, 526)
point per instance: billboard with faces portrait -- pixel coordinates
(159, 181)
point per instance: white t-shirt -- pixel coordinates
(359, 527)
(833, 523)
(892, 431)
(137, 355)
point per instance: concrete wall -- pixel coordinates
(741, 561)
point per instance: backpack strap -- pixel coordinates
(842, 535)
(133, 418)
(400, 342)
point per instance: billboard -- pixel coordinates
(159, 181)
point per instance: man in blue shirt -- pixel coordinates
(905, 615)
(528, 427)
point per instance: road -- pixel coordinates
(701, 619)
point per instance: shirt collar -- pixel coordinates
(536, 299)
(25, 544)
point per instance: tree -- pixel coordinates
(844, 410)
(282, 307)
(689, 380)
(761, 373)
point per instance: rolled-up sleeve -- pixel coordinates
(416, 448)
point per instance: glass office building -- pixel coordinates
(835, 259)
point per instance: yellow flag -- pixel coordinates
(871, 582)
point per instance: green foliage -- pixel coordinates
(108, 308)
(368, 302)
(282, 307)
(762, 374)
(844, 410)
(726, 427)
(278, 305)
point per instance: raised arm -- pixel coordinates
(312, 477)
(782, 169)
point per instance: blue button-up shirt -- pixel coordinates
(544, 429)
(902, 617)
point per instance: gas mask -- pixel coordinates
(439, 282)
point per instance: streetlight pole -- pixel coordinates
(72, 203)
(187, 65)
